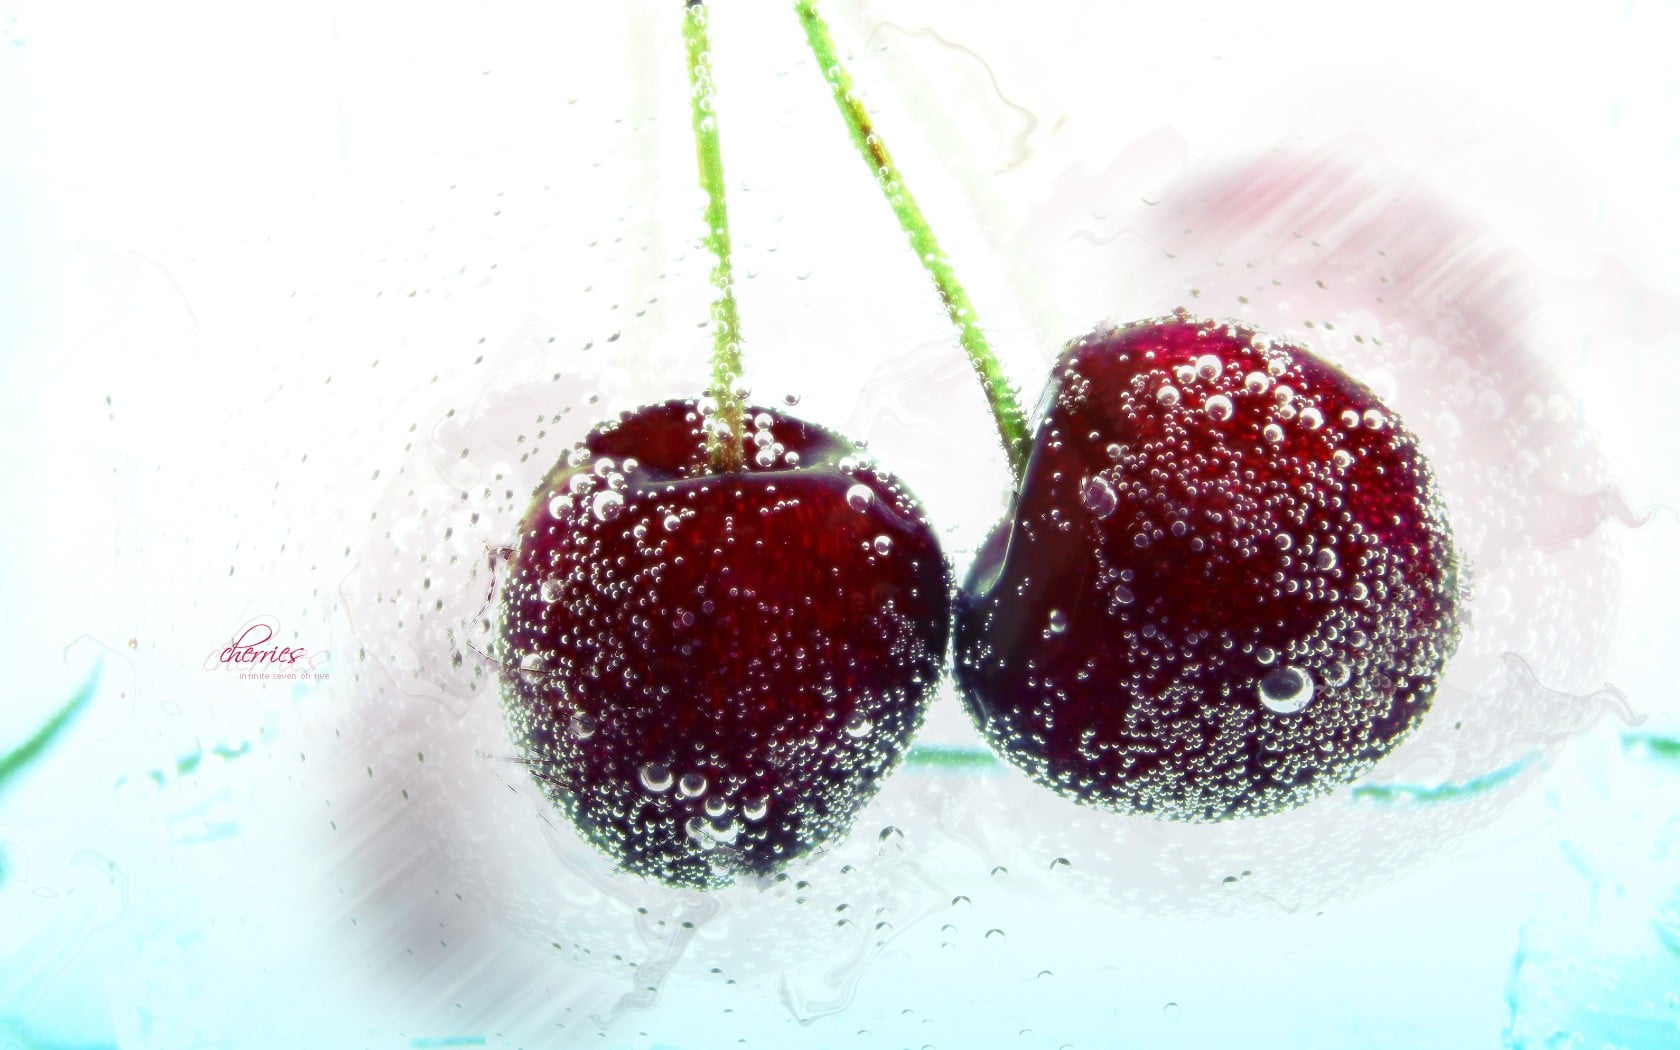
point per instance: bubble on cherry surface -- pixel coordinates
(1286, 690)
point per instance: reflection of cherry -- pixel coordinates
(1227, 583)
(710, 672)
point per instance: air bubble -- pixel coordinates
(883, 544)
(672, 523)
(1286, 690)
(1325, 559)
(691, 784)
(655, 777)
(558, 506)
(1099, 496)
(859, 725)
(859, 497)
(1058, 622)
(1218, 407)
(1373, 419)
(1209, 366)
(1167, 395)
(755, 808)
(550, 590)
(606, 505)
(1311, 418)
(1257, 382)
(1342, 459)
(1272, 433)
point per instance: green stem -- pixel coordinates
(725, 438)
(1006, 409)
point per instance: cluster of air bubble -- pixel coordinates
(1229, 585)
(709, 673)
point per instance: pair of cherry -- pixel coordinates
(1225, 586)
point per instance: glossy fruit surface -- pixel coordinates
(710, 673)
(1227, 584)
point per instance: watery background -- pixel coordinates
(297, 303)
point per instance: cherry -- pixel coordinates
(1226, 586)
(710, 672)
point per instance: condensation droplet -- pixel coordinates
(1286, 690)
(859, 725)
(691, 784)
(755, 808)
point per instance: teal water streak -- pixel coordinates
(21, 757)
(1662, 748)
(1424, 795)
(14, 1036)
(424, 1043)
(933, 755)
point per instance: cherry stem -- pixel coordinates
(725, 437)
(1000, 392)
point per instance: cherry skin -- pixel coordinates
(711, 673)
(1227, 584)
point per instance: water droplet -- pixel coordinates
(766, 457)
(1185, 374)
(1339, 675)
(715, 806)
(581, 727)
(1286, 690)
(655, 777)
(1342, 459)
(755, 808)
(1265, 654)
(1218, 407)
(859, 725)
(1257, 382)
(1167, 395)
(672, 523)
(883, 544)
(1350, 418)
(859, 497)
(550, 590)
(1099, 496)
(557, 507)
(691, 784)
(1373, 419)
(1209, 367)
(1272, 433)
(1311, 418)
(606, 505)
(1325, 559)
(1058, 622)
(1123, 595)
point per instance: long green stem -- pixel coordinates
(1000, 393)
(726, 443)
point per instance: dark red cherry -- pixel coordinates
(710, 673)
(1226, 586)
